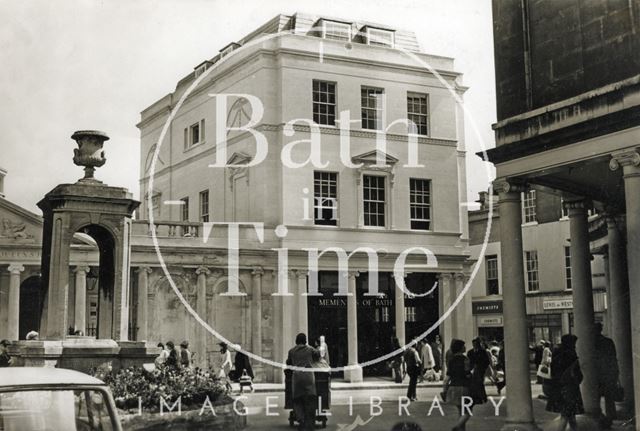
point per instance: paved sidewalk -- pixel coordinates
(339, 384)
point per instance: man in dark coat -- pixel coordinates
(608, 373)
(5, 359)
(303, 384)
(412, 361)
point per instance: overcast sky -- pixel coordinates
(71, 65)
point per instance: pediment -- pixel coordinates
(18, 225)
(239, 158)
(372, 157)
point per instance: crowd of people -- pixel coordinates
(239, 370)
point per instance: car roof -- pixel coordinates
(41, 376)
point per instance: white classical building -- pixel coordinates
(391, 198)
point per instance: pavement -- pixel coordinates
(379, 405)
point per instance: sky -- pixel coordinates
(86, 64)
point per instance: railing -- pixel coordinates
(176, 229)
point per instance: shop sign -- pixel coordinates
(487, 307)
(490, 321)
(557, 304)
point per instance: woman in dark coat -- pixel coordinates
(172, 357)
(566, 376)
(241, 363)
(479, 361)
(459, 373)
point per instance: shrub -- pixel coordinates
(133, 385)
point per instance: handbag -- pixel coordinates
(618, 393)
(544, 372)
(245, 379)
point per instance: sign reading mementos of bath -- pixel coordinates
(557, 304)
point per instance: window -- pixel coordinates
(155, 204)
(324, 102)
(382, 314)
(374, 200)
(531, 260)
(567, 266)
(204, 206)
(372, 103)
(529, 206)
(336, 30)
(417, 113)
(420, 203)
(325, 198)
(491, 266)
(379, 37)
(194, 135)
(409, 314)
(184, 208)
(563, 211)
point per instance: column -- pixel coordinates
(142, 316)
(354, 374)
(201, 308)
(14, 301)
(4, 304)
(519, 403)
(303, 314)
(80, 317)
(445, 298)
(256, 318)
(630, 162)
(618, 307)
(583, 304)
(400, 314)
(462, 312)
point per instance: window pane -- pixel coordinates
(325, 198)
(374, 200)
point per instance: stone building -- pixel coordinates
(568, 103)
(315, 69)
(547, 259)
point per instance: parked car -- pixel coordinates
(54, 399)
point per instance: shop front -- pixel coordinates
(487, 316)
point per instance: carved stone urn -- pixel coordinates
(89, 152)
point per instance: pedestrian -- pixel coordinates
(185, 355)
(537, 355)
(501, 368)
(323, 349)
(427, 361)
(447, 357)
(544, 370)
(459, 377)
(608, 374)
(162, 357)
(479, 362)
(303, 382)
(413, 365)
(172, 356)
(5, 359)
(224, 365)
(436, 349)
(566, 377)
(397, 362)
(243, 370)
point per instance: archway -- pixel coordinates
(30, 306)
(230, 315)
(106, 276)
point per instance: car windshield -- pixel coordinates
(53, 410)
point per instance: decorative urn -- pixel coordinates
(89, 152)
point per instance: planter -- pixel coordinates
(224, 419)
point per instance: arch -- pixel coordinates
(223, 281)
(30, 306)
(105, 239)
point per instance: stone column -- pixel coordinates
(583, 304)
(400, 314)
(446, 328)
(519, 403)
(630, 162)
(462, 313)
(80, 318)
(142, 315)
(303, 314)
(354, 374)
(256, 319)
(13, 308)
(201, 308)
(619, 308)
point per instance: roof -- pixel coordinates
(40, 376)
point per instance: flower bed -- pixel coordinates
(183, 398)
